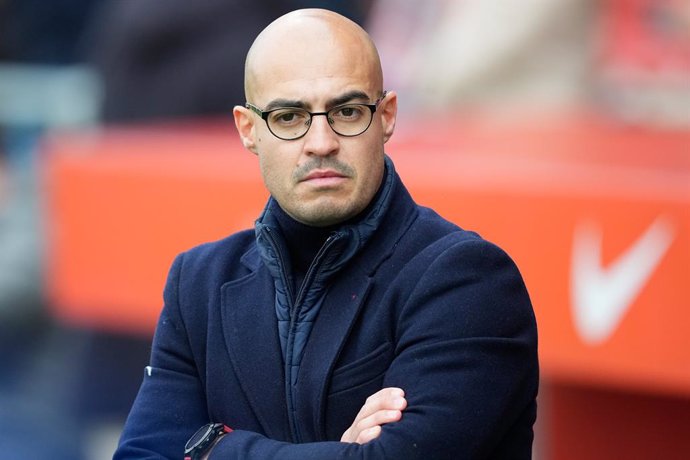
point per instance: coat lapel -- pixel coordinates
(251, 335)
(331, 329)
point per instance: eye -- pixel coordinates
(288, 117)
(348, 112)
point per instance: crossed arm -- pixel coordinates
(384, 406)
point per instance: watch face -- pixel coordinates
(199, 437)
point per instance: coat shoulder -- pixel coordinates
(200, 271)
(230, 257)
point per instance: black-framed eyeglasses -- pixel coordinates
(290, 123)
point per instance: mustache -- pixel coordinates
(322, 163)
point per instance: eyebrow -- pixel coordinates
(347, 97)
(342, 99)
(279, 103)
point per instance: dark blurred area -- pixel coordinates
(71, 65)
(183, 59)
(39, 46)
(35, 31)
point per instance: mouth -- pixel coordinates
(322, 174)
(324, 177)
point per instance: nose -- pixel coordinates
(321, 140)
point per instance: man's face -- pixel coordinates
(321, 178)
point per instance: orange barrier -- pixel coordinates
(596, 215)
(123, 202)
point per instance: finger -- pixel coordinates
(370, 427)
(382, 403)
(376, 420)
(387, 398)
(379, 418)
(368, 435)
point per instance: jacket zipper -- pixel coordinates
(294, 304)
(281, 262)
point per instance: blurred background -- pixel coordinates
(559, 129)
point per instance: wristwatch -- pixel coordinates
(203, 439)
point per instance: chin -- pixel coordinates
(325, 215)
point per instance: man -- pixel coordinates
(351, 323)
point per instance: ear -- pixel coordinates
(244, 121)
(389, 113)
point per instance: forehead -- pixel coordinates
(313, 64)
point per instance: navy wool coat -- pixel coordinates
(424, 306)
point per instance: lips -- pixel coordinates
(323, 174)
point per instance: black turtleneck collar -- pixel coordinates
(304, 241)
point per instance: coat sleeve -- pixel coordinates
(466, 356)
(170, 405)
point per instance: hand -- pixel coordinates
(384, 406)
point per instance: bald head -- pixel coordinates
(310, 43)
